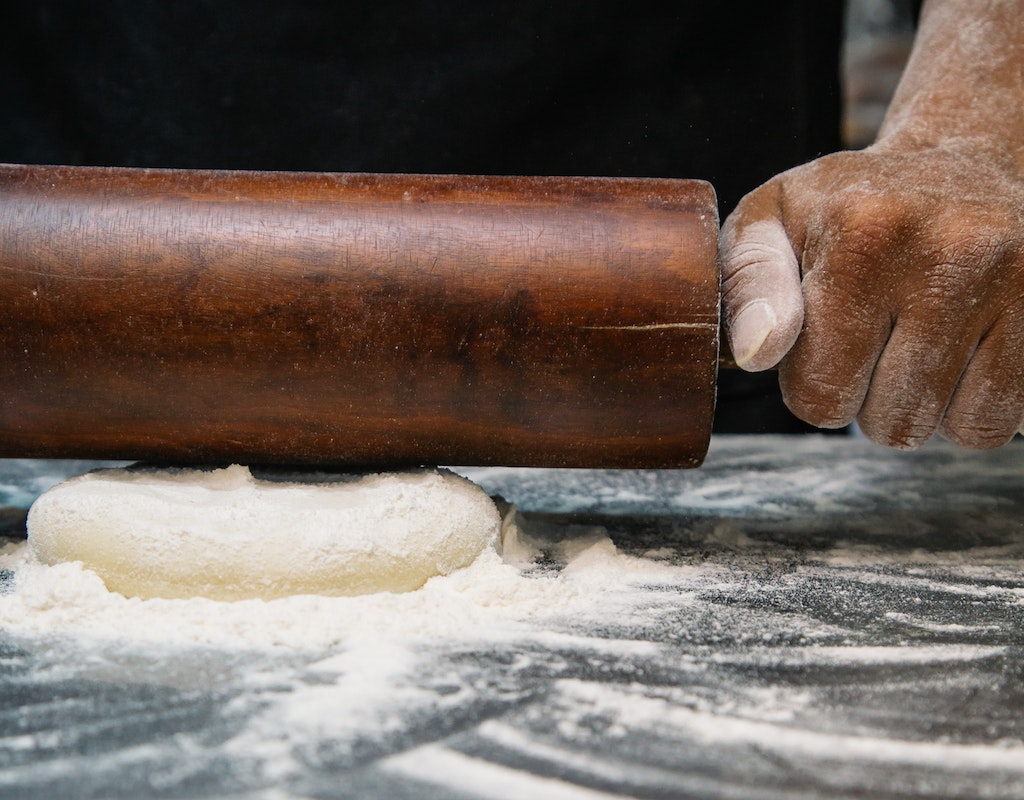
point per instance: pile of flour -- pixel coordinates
(500, 590)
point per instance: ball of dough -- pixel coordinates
(226, 535)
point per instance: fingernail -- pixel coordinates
(749, 329)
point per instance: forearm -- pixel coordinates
(964, 83)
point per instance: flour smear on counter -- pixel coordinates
(498, 592)
(799, 618)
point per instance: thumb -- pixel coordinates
(762, 303)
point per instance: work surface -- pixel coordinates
(802, 617)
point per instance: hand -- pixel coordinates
(888, 284)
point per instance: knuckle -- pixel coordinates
(744, 265)
(761, 249)
(748, 253)
(959, 247)
(929, 297)
(751, 281)
(970, 255)
(967, 235)
(865, 227)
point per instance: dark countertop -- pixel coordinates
(807, 617)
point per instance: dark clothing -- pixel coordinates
(730, 92)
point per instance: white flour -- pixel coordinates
(822, 640)
(486, 598)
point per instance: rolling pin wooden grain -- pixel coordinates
(356, 320)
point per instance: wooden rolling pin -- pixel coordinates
(355, 320)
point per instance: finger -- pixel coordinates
(987, 408)
(826, 376)
(914, 381)
(761, 297)
(937, 335)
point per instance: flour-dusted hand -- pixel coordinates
(888, 284)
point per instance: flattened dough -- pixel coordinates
(226, 535)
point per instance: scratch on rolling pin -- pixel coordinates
(660, 326)
(67, 276)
